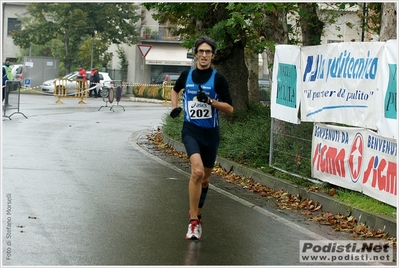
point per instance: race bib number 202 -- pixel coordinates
(199, 110)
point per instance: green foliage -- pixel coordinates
(264, 94)
(123, 62)
(369, 13)
(159, 95)
(294, 148)
(135, 90)
(233, 26)
(146, 90)
(122, 57)
(172, 126)
(372, 16)
(224, 22)
(359, 200)
(72, 25)
(247, 139)
(152, 92)
(100, 55)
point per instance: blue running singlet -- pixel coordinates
(199, 113)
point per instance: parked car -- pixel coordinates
(106, 81)
(16, 71)
(48, 86)
(166, 77)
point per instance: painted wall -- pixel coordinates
(9, 10)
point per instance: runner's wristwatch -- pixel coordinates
(210, 101)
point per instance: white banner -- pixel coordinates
(379, 178)
(356, 159)
(286, 86)
(339, 83)
(386, 109)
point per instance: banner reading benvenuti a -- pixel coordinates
(286, 87)
(356, 159)
(339, 83)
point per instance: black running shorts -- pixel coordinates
(204, 141)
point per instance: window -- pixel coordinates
(162, 29)
(13, 24)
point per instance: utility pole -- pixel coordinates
(92, 45)
(364, 20)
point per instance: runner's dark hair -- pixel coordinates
(204, 39)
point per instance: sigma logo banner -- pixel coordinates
(286, 87)
(356, 159)
(341, 79)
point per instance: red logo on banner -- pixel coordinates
(382, 174)
(329, 160)
(355, 157)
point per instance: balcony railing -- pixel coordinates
(157, 32)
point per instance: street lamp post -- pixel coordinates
(92, 43)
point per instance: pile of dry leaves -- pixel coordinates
(284, 200)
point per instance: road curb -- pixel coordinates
(137, 99)
(329, 204)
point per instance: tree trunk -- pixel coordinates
(388, 21)
(236, 73)
(229, 61)
(275, 28)
(68, 61)
(252, 62)
(311, 25)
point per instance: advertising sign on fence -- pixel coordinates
(340, 79)
(356, 159)
(286, 93)
(350, 83)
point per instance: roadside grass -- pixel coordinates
(366, 203)
(30, 91)
(246, 139)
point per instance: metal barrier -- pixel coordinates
(108, 95)
(61, 87)
(167, 88)
(12, 98)
(291, 148)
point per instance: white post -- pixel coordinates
(143, 69)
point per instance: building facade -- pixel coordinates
(10, 22)
(166, 53)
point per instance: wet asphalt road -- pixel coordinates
(77, 189)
